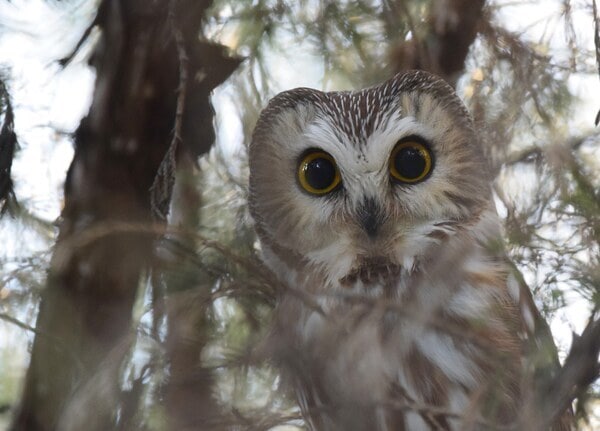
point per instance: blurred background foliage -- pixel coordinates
(530, 80)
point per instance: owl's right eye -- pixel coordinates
(318, 173)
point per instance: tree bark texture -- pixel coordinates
(107, 232)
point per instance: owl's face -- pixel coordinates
(341, 178)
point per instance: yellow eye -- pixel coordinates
(410, 161)
(318, 173)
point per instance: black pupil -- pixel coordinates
(320, 173)
(409, 162)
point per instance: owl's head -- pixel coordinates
(340, 178)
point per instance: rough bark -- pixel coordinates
(107, 231)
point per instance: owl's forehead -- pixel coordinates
(360, 128)
(356, 115)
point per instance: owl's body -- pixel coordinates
(400, 310)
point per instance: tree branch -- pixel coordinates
(451, 30)
(581, 369)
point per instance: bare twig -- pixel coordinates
(162, 187)
(59, 342)
(8, 318)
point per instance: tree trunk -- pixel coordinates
(123, 148)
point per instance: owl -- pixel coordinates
(399, 309)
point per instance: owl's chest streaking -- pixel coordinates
(390, 347)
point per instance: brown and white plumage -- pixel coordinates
(401, 310)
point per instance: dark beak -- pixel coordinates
(370, 216)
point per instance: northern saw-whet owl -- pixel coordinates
(400, 310)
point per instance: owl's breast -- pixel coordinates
(379, 359)
(442, 340)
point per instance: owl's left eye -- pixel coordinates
(318, 173)
(410, 161)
